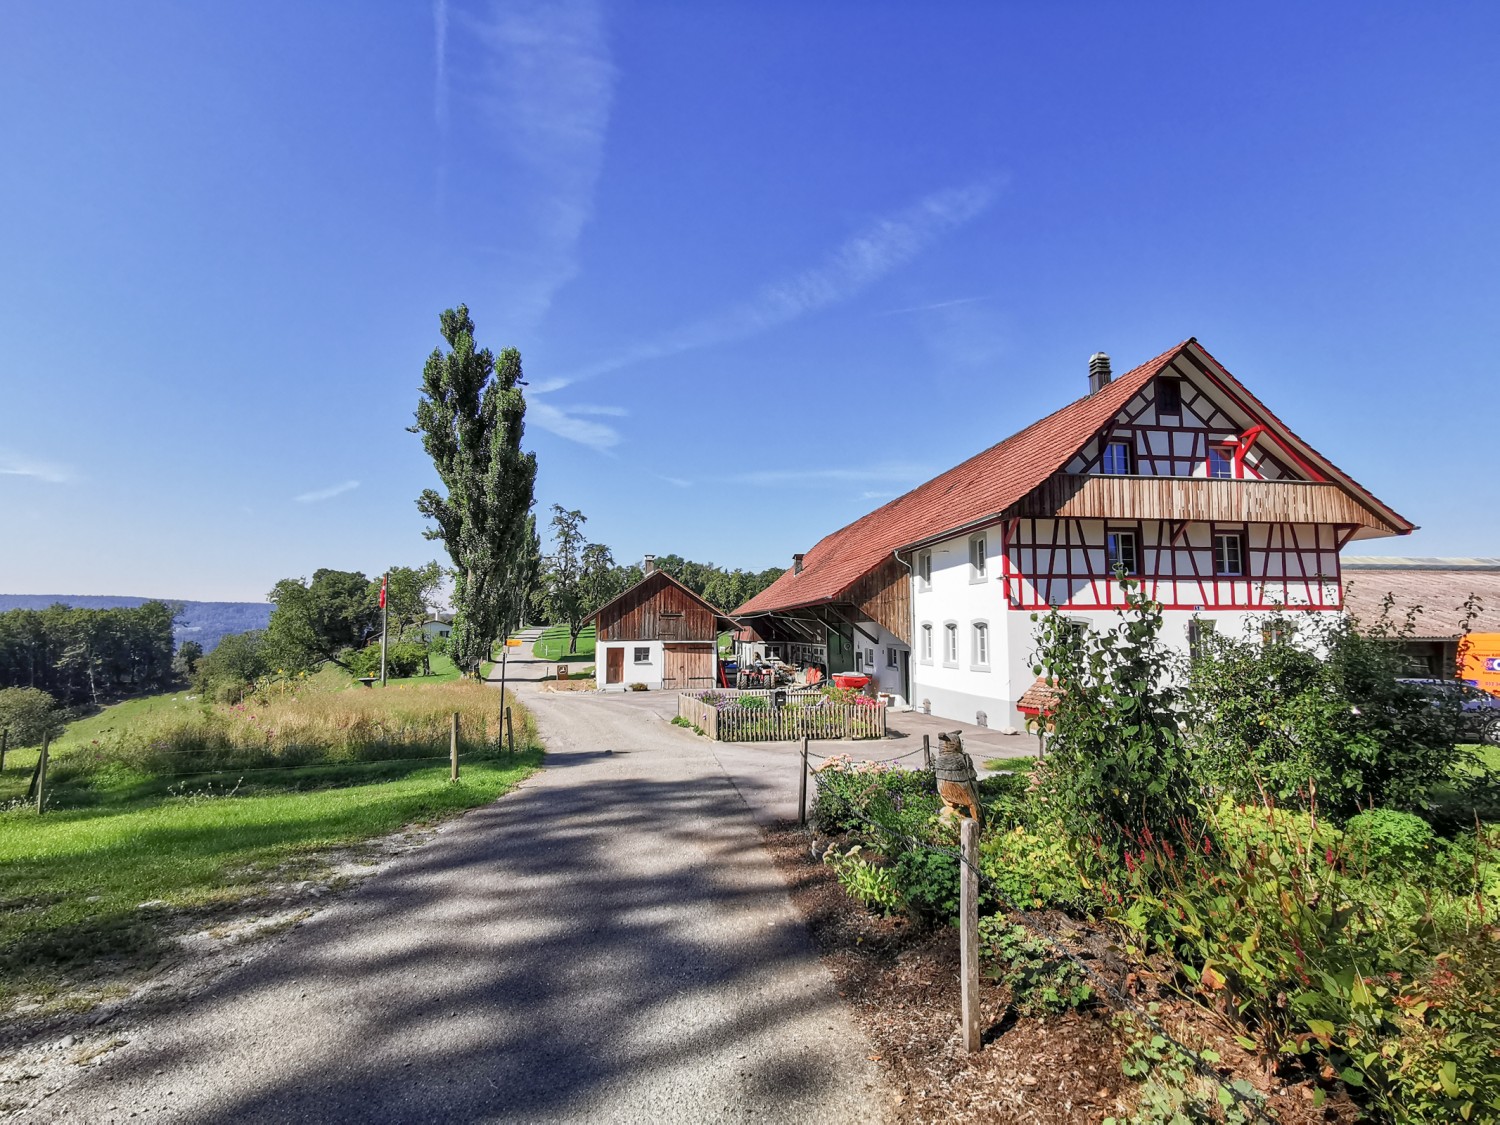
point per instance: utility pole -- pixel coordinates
(385, 614)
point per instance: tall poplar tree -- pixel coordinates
(471, 418)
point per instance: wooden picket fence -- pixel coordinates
(804, 717)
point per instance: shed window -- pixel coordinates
(643, 656)
(1116, 460)
(1229, 555)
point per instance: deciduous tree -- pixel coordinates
(319, 620)
(471, 417)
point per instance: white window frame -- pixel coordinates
(1111, 533)
(979, 568)
(979, 654)
(924, 570)
(926, 653)
(950, 644)
(1226, 457)
(637, 658)
(1239, 553)
(1104, 457)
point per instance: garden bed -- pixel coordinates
(752, 716)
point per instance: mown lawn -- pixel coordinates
(553, 644)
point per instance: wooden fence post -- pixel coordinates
(510, 732)
(802, 786)
(41, 775)
(4, 743)
(927, 750)
(453, 747)
(968, 925)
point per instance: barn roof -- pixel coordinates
(1436, 588)
(665, 579)
(981, 488)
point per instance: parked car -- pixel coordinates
(1478, 710)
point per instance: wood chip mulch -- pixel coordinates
(901, 981)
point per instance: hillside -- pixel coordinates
(204, 622)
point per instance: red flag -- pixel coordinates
(383, 580)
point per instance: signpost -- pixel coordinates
(510, 643)
(385, 580)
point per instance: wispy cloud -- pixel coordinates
(862, 259)
(13, 464)
(537, 75)
(896, 473)
(679, 482)
(876, 495)
(326, 493)
(574, 423)
(934, 306)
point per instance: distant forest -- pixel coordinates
(204, 622)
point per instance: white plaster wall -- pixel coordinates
(649, 673)
(955, 595)
(884, 677)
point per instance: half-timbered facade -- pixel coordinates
(1174, 474)
(657, 633)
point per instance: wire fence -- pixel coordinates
(1241, 1094)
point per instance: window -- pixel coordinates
(1169, 397)
(950, 644)
(1119, 547)
(1219, 464)
(981, 644)
(892, 658)
(1116, 461)
(978, 562)
(927, 642)
(643, 656)
(859, 660)
(924, 569)
(1229, 555)
(1199, 631)
(870, 658)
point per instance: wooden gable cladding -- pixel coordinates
(883, 595)
(657, 609)
(1089, 496)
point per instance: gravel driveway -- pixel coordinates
(608, 943)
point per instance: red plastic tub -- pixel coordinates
(850, 680)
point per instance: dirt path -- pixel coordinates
(609, 943)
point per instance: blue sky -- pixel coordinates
(767, 264)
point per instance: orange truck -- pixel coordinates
(1480, 662)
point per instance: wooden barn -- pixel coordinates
(658, 633)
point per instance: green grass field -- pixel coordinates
(199, 839)
(553, 644)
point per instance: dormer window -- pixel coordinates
(1169, 398)
(1116, 459)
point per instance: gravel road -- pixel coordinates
(608, 943)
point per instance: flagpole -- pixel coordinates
(384, 617)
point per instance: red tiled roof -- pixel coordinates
(985, 485)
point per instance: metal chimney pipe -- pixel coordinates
(1099, 375)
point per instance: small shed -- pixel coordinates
(658, 633)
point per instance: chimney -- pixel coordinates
(797, 563)
(649, 565)
(1098, 372)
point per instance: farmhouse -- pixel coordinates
(1173, 472)
(657, 633)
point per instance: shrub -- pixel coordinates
(28, 714)
(401, 660)
(846, 791)
(1040, 981)
(1033, 870)
(1311, 712)
(1387, 842)
(753, 702)
(1118, 764)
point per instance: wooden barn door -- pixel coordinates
(687, 666)
(614, 666)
